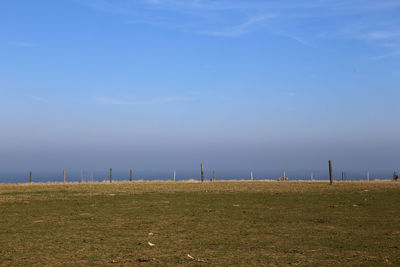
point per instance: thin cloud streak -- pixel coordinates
(242, 28)
(156, 101)
(22, 44)
(104, 5)
(388, 40)
(394, 54)
(126, 7)
(380, 35)
(38, 98)
(229, 19)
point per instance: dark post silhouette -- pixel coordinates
(130, 175)
(65, 177)
(110, 175)
(342, 176)
(202, 172)
(30, 177)
(330, 172)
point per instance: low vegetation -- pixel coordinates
(191, 223)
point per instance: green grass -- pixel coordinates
(223, 223)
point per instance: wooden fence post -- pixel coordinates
(30, 177)
(174, 175)
(110, 175)
(130, 175)
(368, 176)
(202, 172)
(65, 177)
(330, 172)
(251, 175)
(342, 176)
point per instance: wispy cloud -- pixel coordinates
(380, 35)
(393, 54)
(230, 19)
(386, 4)
(292, 36)
(371, 27)
(214, 18)
(290, 94)
(242, 28)
(22, 44)
(106, 6)
(388, 39)
(37, 98)
(114, 101)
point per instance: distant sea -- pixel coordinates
(123, 175)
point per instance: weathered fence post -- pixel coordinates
(202, 172)
(213, 178)
(342, 176)
(65, 177)
(130, 175)
(368, 176)
(251, 175)
(30, 177)
(110, 175)
(330, 172)
(174, 175)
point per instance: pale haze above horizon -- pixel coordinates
(168, 84)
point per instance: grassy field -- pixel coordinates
(222, 223)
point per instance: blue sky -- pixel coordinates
(163, 84)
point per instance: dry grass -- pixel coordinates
(223, 223)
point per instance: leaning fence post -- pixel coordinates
(110, 175)
(30, 177)
(330, 172)
(65, 177)
(202, 172)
